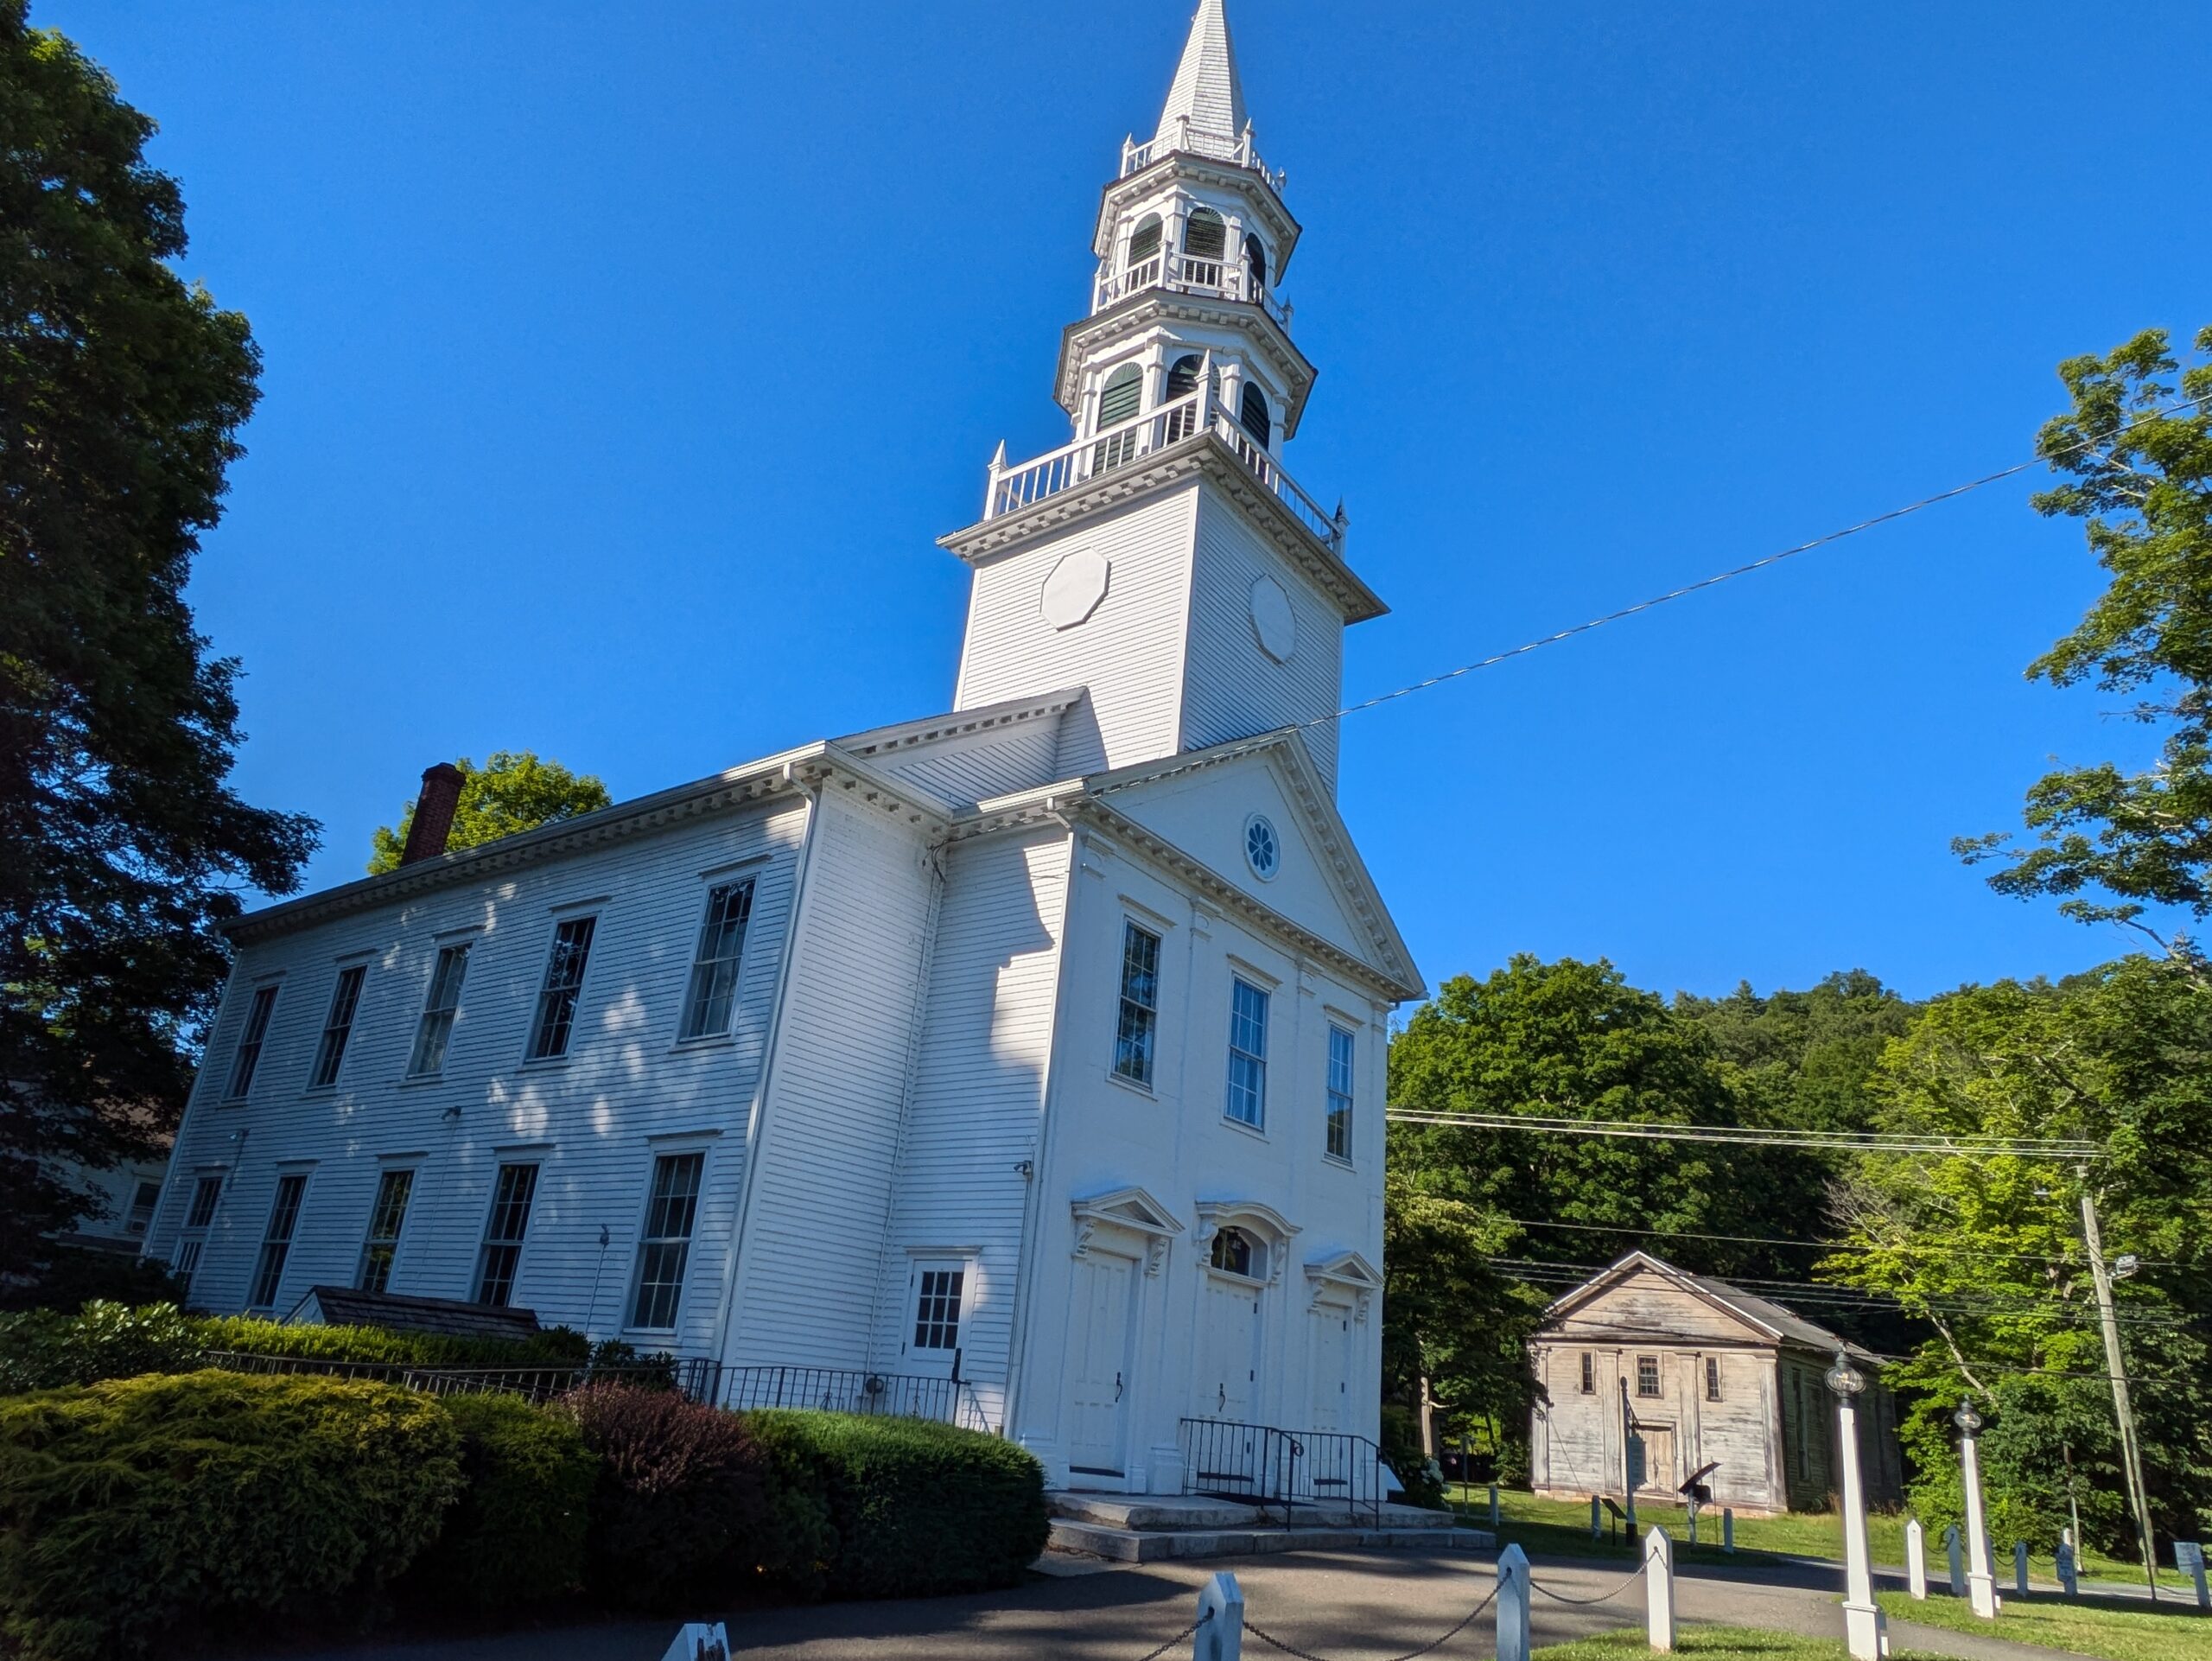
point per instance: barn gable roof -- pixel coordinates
(1763, 1316)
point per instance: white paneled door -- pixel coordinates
(1098, 1363)
(1331, 1379)
(1228, 1382)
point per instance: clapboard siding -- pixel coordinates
(1128, 652)
(828, 1140)
(1231, 689)
(974, 769)
(979, 1088)
(589, 1120)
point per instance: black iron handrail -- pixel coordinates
(1266, 1466)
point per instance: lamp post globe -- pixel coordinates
(1967, 1419)
(1845, 1379)
(1863, 1626)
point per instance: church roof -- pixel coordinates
(1782, 1325)
(1207, 91)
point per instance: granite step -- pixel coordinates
(1147, 1514)
(1135, 1545)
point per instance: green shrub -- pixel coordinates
(45, 1349)
(919, 1508)
(138, 1510)
(76, 1275)
(515, 1536)
(1401, 1445)
(682, 1503)
(557, 1347)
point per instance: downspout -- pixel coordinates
(1041, 1144)
(755, 1126)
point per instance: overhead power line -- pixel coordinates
(1957, 1249)
(1846, 1142)
(1656, 600)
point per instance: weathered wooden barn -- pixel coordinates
(1701, 1372)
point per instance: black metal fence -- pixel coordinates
(948, 1400)
(1265, 1466)
(841, 1389)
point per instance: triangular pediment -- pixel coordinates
(1346, 1269)
(1204, 803)
(1129, 1208)
(1644, 1295)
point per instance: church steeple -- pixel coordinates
(1207, 96)
(1164, 559)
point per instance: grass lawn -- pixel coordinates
(1561, 1527)
(1714, 1644)
(2099, 1629)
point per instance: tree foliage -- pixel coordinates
(2139, 472)
(1989, 1251)
(514, 791)
(121, 844)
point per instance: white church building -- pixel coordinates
(1042, 1039)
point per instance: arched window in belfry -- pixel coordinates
(1205, 234)
(1252, 411)
(1256, 264)
(1144, 241)
(1182, 376)
(1122, 396)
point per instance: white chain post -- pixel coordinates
(1493, 1504)
(2020, 1566)
(1954, 1549)
(1728, 1531)
(2066, 1570)
(1512, 1604)
(1220, 1636)
(1982, 1579)
(1915, 1560)
(1659, 1590)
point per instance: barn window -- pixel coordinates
(1252, 411)
(1712, 1377)
(1589, 1374)
(1205, 234)
(1647, 1375)
(1122, 396)
(1232, 1251)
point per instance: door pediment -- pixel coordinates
(1133, 1211)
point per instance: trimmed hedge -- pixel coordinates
(919, 1508)
(137, 1509)
(47, 1349)
(682, 1505)
(515, 1536)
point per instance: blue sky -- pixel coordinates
(622, 364)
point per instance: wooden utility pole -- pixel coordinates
(2131, 1458)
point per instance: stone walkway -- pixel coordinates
(1343, 1606)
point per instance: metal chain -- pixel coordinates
(1584, 1602)
(1154, 1654)
(1465, 1621)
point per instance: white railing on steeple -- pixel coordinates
(1013, 488)
(1185, 274)
(1236, 148)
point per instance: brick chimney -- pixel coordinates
(434, 809)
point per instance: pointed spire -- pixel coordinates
(1207, 96)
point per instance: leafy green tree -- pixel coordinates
(514, 791)
(1455, 1330)
(1568, 1040)
(122, 845)
(2110, 843)
(1987, 1251)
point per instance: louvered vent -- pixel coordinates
(1144, 241)
(1123, 397)
(1182, 376)
(1206, 235)
(1253, 412)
